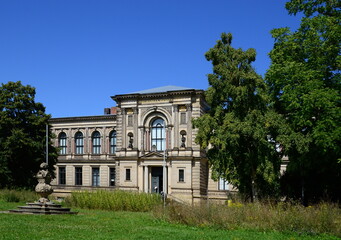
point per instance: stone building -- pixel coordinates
(146, 143)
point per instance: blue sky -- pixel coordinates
(78, 53)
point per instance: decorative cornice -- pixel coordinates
(84, 119)
(138, 96)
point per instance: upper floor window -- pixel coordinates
(79, 142)
(158, 134)
(62, 143)
(96, 143)
(113, 139)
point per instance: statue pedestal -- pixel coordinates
(43, 205)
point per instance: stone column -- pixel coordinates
(145, 176)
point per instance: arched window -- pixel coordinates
(96, 143)
(113, 139)
(62, 143)
(158, 134)
(79, 142)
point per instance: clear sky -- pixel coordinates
(78, 53)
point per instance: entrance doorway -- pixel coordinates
(157, 180)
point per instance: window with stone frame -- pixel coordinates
(95, 177)
(61, 175)
(62, 143)
(113, 141)
(158, 136)
(79, 143)
(223, 184)
(96, 143)
(78, 176)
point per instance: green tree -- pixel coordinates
(240, 129)
(304, 81)
(22, 136)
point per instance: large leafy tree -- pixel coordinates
(239, 131)
(22, 136)
(304, 79)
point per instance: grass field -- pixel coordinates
(99, 224)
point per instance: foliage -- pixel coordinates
(285, 217)
(240, 128)
(22, 136)
(304, 80)
(11, 195)
(117, 200)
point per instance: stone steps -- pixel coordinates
(49, 208)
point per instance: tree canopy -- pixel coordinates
(239, 130)
(304, 82)
(22, 136)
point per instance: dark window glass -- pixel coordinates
(62, 175)
(112, 176)
(78, 176)
(181, 175)
(128, 174)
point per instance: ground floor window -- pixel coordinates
(223, 184)
(62, 175)
(181, 175)
(112, 176)
(128, 174)
(78, 176)
(95, 177)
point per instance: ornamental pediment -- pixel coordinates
(153, 155)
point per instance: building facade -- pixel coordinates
(146, 144)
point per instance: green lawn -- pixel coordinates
(95, 224)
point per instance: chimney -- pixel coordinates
(106, 111)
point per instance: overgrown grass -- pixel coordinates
(11, 195)
(321, 219)
(99, 224)
(117, 200)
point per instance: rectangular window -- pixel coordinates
(78, 176)
(62, 175)
(128, 174)
(181, 175)
(112, 177)
(95, 177)
(223, 184)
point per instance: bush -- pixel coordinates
(11, 195)
(319, 219)
(117, 200)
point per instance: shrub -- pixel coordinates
(117, 200)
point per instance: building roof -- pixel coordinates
(162, 89)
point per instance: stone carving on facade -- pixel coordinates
(183, 138)
(131, 140)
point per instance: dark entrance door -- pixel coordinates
(157, 180)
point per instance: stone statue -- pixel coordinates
(43, 187)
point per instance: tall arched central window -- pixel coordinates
(158, 134)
